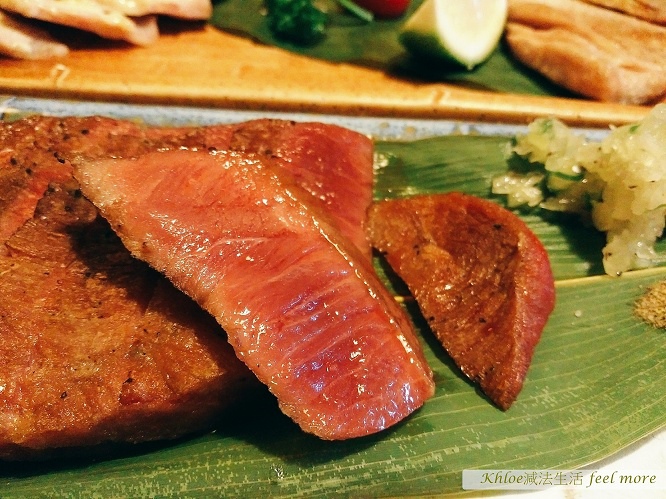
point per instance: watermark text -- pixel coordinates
(578, 479)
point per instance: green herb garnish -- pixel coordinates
(298, 21)
(304, 22)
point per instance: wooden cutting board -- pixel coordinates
(202, 66)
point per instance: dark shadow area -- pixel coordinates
(583, 240)
(500, 72)
(170, 26)
(236, 420)
(79, 39)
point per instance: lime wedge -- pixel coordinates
(463, 31)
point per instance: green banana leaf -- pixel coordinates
(595, 386)
(376, 45)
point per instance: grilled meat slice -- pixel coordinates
(590, 50)
(58, 256)
(21, 40)
(88, 15)
(95, 346)
(480, 277)
(301, 306)
(332, 163)
(653, 11)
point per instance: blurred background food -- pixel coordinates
(600, 50)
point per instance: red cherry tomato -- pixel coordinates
(385, 8)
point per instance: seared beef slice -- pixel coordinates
(94, 345)
(332, 163)
(118, 353)
(480, 276)
(302, 307)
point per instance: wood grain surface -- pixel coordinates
(200, 65)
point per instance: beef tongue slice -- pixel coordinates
(301, 306)
(96, 347)
(93, 309)
(332, 163)
(480, 276)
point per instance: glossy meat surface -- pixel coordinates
(332, 163)
(34, 162)
(480, 277)
(300, 305)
